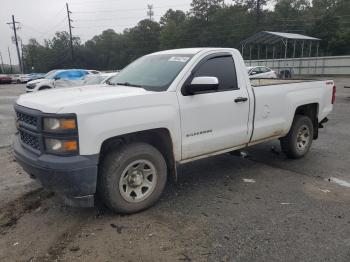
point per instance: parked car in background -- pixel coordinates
(5, 79)
(58, 78)
(34, 76)
(261, 72)
(16, 78)
(24, 78)
(95, 79)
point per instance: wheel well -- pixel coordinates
(159, 138)
(44, 87)
(310, 110)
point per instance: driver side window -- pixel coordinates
(223, 68)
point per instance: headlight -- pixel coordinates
(60, 124)
(60, 146)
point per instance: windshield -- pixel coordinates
(51, 74)
(152, 72)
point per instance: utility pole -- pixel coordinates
(8, 49)
(2, 64)
(150, 12)
(13, 23)
(70, 32)
(22, 56)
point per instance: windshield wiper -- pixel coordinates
(128, 84)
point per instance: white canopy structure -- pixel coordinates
(268, 38)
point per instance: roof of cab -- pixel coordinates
(189, 51)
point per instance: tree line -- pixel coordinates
(208, 23)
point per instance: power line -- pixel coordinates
(52, 28)
(93, 2)
(31, 28)
(108, 19)
(129, 9)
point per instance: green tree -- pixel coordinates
(202, 9)
(255, 6)
(175, 16)
(171, 34)
(143, 38)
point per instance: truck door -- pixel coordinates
(216, 120)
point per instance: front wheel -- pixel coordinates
(298, 141)
(132, 178)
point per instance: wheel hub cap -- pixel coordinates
(135, 179)
(303, 138)
(138, 180)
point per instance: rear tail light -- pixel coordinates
(333, 94)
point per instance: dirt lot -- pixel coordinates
(226, 208)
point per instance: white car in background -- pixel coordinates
(58, 79)
(24, 78)
(96, 79)
(20, 78)
(16, 78)
(261, 72)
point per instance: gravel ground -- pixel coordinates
(226, 208)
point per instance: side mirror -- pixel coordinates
(57, 78)
(253, 73)
(202, 84)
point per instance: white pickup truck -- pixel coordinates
(122, 140)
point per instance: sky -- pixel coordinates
(40, 19)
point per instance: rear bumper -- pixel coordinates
(74, 177)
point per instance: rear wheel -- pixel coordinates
(132, 178)
(298, 141)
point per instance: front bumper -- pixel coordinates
(73, 177)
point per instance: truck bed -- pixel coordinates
(276, 101)
(265, 82)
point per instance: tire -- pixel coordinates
(128, 195)
(298, 141)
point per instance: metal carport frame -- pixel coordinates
(272, 38)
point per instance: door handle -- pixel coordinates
(241, 99)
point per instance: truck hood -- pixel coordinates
(55, 100)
